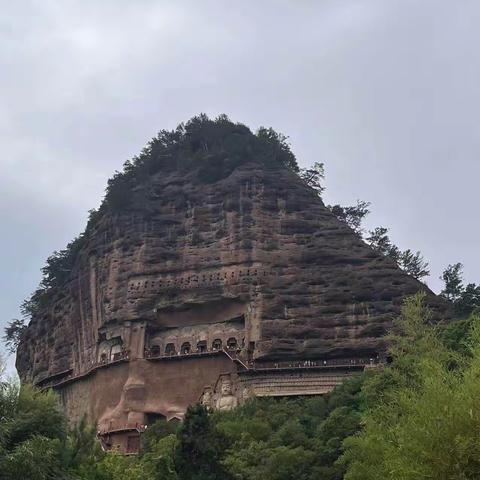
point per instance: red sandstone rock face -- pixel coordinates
(254, 258)
(186, 257)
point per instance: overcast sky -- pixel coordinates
(385, 92)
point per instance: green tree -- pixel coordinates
(412, 263)
(313, 177)
(160, 459)
(470, 299)
(200, 448)
(291, 438)
(452, 278)
(353, 215)
(13, 334)
(160, 429)
(426, 422)
(465, 299)
(36, 413)
(37, 458)
(32, 432)
(115, 466)
(82, 454)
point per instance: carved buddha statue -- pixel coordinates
(226, 401)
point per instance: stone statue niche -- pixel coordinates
(207, 398)
(246, 393)
(111, 350)
(226, 400)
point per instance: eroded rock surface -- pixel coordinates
(254, 258)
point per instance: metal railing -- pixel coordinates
(116, 426)
(232, 353)
(50, 382)
(324, 363)
(191, 353)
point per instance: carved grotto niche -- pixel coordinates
(207, 397)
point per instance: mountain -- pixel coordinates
(211, 272)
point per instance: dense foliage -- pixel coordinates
(290, 438)
(411, 262)
(13, 334)
(32, 432)
(352, 215)
(313, 177)
(465, 298)
(426, 420)
(214, 148)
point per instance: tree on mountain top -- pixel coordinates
(465, 298)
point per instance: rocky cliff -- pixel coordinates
(241, 250)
